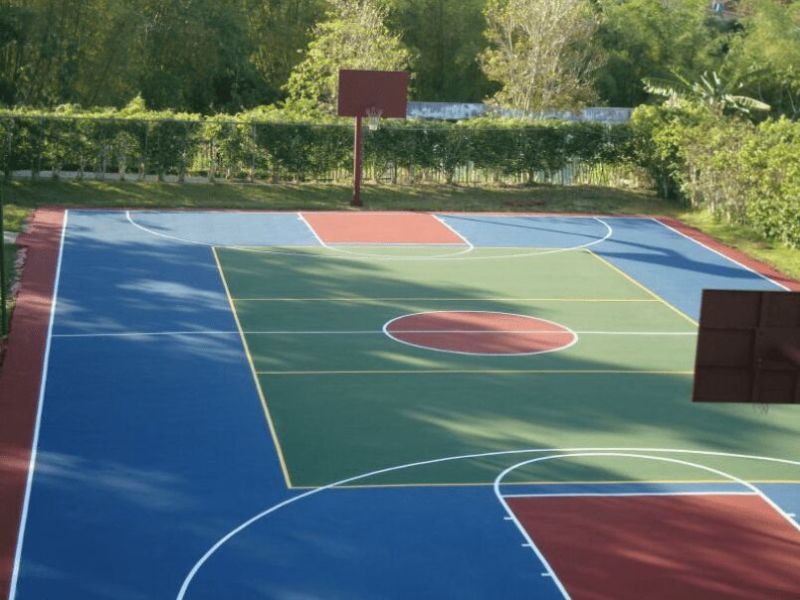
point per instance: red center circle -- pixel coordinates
(479, 332)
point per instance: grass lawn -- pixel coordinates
(784, 259)
(22, 196)
(9, 254)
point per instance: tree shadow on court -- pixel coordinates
(331, 426)
(631, 246)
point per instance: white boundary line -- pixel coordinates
(35, 442)
(301, 217)
(538, 552)
(627, 494)
(439, 299)
(718, 253)
(475, 371)
(140, 334)
(492, 312)
(276, 507)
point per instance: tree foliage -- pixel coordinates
(278, 30)
(743, 172)
(541, 52)
(769, 46)
(710, 90)
(354, 36)
(653, 38)
(446, 38)
(210, 56)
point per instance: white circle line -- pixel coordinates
(344, 254)
(129, 217)
(275, 507)
(451, 256)
(493, 312)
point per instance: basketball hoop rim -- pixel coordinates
(373, 115)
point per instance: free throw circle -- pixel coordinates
(480, 332)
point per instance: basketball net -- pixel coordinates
(373, 115)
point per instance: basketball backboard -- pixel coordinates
(362, 90)
(748, 347)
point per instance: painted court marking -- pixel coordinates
(273, 433)
(624, 494)
(345, 253)
(480, 333)
(426, 299)
(173, 238)
(718, 253)
(643, 287)
(380, 228)
(484, 372)
(35, 443)
(457, 255)
(190, 332)
(276, 507)
(336, 246)
(754, 491)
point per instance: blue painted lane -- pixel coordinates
(526, 231)
(379, 543)
(672, 266)
(228, 228)
(149, 446)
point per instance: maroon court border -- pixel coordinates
(21, 375)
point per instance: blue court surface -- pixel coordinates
(205, 435)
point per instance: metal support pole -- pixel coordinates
(3, 298)
(357, 164)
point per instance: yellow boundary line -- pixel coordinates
(395, 299)
(482, 372)
(641, 286)
(555, 483)
(261, 395)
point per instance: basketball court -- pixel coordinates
(383, 405)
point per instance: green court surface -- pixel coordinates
(344, 399)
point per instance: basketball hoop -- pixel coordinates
(370, 94)
(373, 115)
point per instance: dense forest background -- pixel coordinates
(212, 56)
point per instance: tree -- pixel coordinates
(541, 52)
(196, 55)
(354, 36)
(710, 90)
(649, 38)
(42, 47)
(279, 30)
(446, 38)
(768, 44)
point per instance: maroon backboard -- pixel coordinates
(748, 347)
(360, 90)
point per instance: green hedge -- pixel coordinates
(743, 172)
(271, 145)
